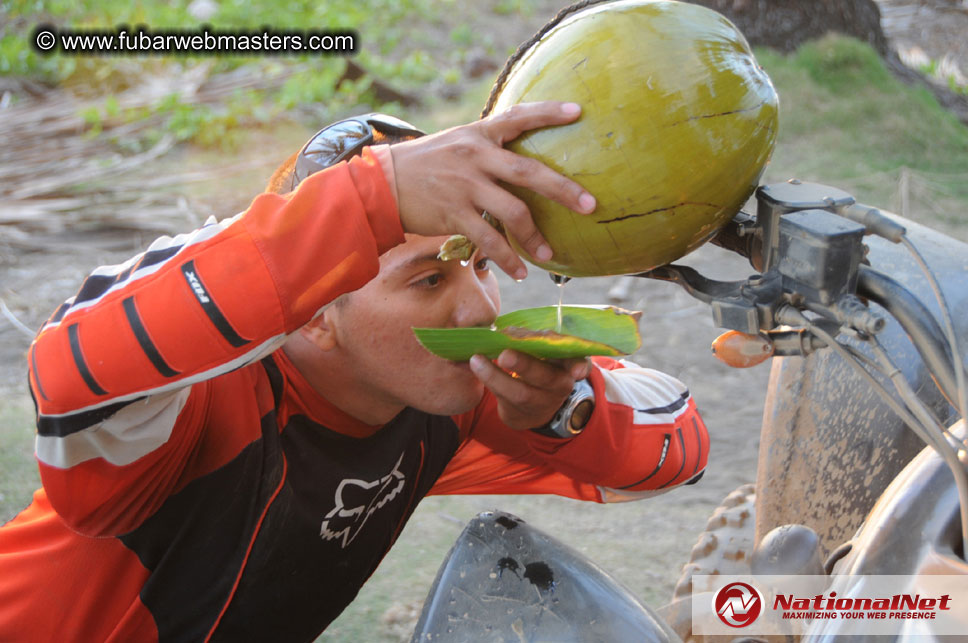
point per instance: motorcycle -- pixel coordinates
(847, 301)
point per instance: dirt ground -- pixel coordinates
(644, 544)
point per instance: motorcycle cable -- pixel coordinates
(886, 227)
(856, 360)
(929, 435)
(908, 419)
(956, 358)
(948, 453)
(918, 323)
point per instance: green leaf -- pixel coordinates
(585, 330)
(112, 107)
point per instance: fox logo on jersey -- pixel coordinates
(356, 500)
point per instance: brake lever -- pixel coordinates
(746, 305)
(702, 288)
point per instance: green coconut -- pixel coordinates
(678, 123)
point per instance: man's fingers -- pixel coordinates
(538, 373)
(510, 123)
(530, 395)
(532, 174)
(502, 384)
(514, 214)
(529, 173)
(444, 181)
(495, 246)
(578, 368)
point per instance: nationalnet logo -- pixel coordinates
(738, 604)
(898, 606)
(832, 606)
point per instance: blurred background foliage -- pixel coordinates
(845, 120)
(844, 115)
(397, 39)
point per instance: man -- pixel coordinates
(234, 426)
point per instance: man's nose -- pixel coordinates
(476, 306)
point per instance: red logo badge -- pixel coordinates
(738, 604)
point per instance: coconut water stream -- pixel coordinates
(560, 281)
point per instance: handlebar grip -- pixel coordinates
(875, 221)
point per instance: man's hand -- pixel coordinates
(530, 397)
(445, 180)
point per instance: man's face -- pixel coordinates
(415, 289)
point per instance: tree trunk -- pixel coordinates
(786, 24)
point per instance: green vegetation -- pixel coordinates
(18, 470)
(932, 68)
(314, 85)
(382, 25)
(846, 121)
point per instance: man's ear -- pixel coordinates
(320, 331)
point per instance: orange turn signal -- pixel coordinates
(740, 350)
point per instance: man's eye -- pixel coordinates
(482, 264)
(429, 281)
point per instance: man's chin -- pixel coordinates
(456, 402)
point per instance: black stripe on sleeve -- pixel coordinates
(148, 346)
(668, 408)
(153, 257)
(64, 425)
(33, 367)
(208, 305)
(696, 478)
(682, 448)
(80, 363)
(662, 458)
(60, 312)
(97, 285)
(695, 426)
(94, 286)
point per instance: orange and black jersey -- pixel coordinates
(197, 488)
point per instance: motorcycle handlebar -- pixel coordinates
(737, 236)
(914, 317)
(917, 321)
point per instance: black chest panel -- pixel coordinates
(341, 504)
(339, 512)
